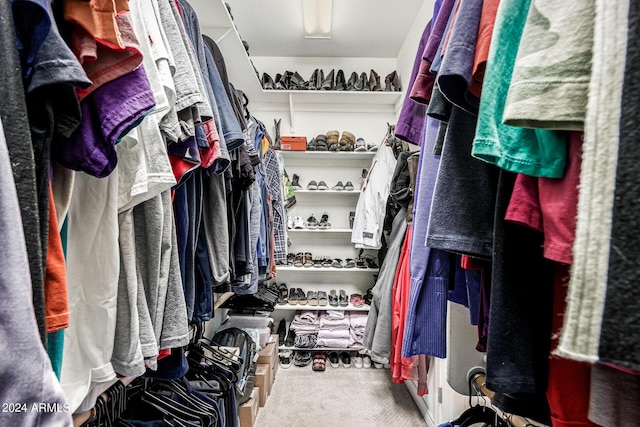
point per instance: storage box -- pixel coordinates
(263, 380)
(269, 354)
(248, 411)
(293, 143)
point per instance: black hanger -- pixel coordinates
(478, 413)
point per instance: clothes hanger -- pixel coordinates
(478, 413)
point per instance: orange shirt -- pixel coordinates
(485, 31)
(55, 281)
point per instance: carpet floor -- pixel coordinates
(338, 397)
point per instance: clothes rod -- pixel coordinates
(480, 382)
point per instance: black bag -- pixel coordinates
(235, 337)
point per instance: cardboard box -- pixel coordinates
(293, 143)
(269, 354)
(248, 411)
(263, 380)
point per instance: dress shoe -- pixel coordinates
(352, 81)
(341, 83)
(327, 83)
(267, 82)
(374, 82)
(298, 83)
(392, 82)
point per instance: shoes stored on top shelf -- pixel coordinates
(295, 182)
(312, 223)
(324, 222)
(312, 185)
(298, 223)
(348, 186)
(361, 145)
(338, 187)
(318, 81)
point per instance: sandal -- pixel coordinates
(360, 263)
(308, 259)
(343, 300)
(321, 143)
(311, 145)
(319, 362)
(283, 292)
(349, 263)
(333, 298)
(327, 262)
(356, 300)
(298, 261)
(322, 298)
(337, 263)
(312, 298)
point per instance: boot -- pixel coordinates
(327, 83)
(295, 183)
(365, 82)
(352, 81)
(361, 82)
(374, 82)
(286, 80)
(279, 83)
(392, 82)
(341, 83)
(315, 82)
(276, 142)
(267, 82)
(298, 83)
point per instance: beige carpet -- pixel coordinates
(338, 397)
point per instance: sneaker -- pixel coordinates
(295, 183)
(333, 359)
(289, 222)
(285, 359)
(312, 222)
(348, 186)
(298, 223)
(324, 222)
(357, 361)
(366, 361)
(302, 358)
(338, 187)
(346, 359)
(361, 145)
(322, 186)
(312, 185)
(378, 365)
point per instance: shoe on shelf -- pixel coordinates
(361, 145)
(338, 187)
(334, 360)
(289, 222)
(298, 223)
(357, 361)
(374, 82)
(313, 185)
(353, 80)
(285, 359)
(322, 298)
(346, 359)
(311, 145)
(321, 143)
(356, 300)
(348, 186)
(349, 263)
(341, 83)
(302, 297)
(299, 261)
(324, 222)
(295, 182)
(392, 82)
(317, 262)
(366, 361)
(291, 338)
(302, 358)
(352, 217)
(293, 297)
(333, 298)
(322, 186)
(308, 259)
(291, 258)
(282, 294)
(327, 262)
(337, 263)
(343, 299)
(328, 82)
(312, 223)
(312, 298)
(378, 365)
(282, 332)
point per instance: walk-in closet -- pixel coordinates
(307, 213)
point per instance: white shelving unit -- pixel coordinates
(327, 269)
(297, 307)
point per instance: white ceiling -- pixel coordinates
(360, 28)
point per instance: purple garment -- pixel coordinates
(423, 86)
(458, 293)
(410, 124)
(108, 114)
(425, 329)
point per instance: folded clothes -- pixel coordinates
(358, 319)
(305, 341)
(306, 316)
(329, 342)
(304, 329)
(335, 314)
(326, 323)
(334, 334)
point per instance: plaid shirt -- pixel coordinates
(274, 187)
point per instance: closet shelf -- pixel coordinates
(321, 231)
(328, 155)
(352, 192)
(308, 307)
(326, 269)
(221, 299)
(284, 347)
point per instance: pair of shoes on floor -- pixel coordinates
(335, 358)
(343, 187)
(313, 185)
(285, 357)
(362, 361)
(319, 361)
(302, 358)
